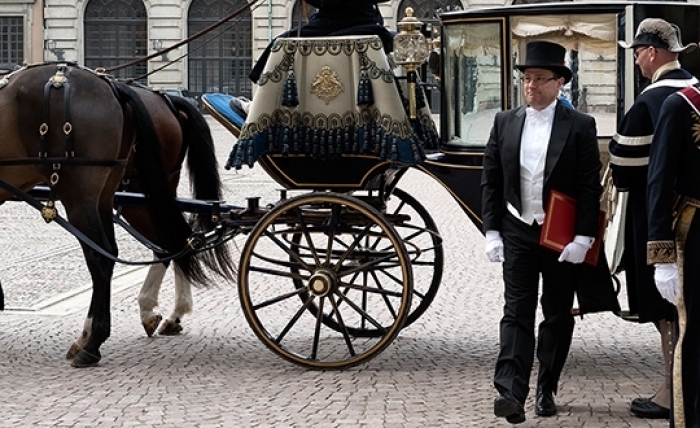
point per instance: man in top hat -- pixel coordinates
(656, 46)
(531, 151)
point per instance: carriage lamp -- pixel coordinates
(157, 46)
(410, 50)
(51, 47)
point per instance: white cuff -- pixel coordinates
(492, 234)
(586, 241)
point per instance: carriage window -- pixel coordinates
(473, 82)
(591, 53)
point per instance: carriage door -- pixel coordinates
(115, 33)
(221, 60)
(429, 11)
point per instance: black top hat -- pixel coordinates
(660, 34)
(547, 55)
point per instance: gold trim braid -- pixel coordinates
(661, 252)
(685, 218)
(666, 251)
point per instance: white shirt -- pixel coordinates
(533, 152)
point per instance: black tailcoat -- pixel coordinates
(572, 166)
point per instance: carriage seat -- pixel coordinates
(218, 105)
(331, 98)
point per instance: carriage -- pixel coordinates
(329, 277)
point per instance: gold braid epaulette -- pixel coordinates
(661, 252)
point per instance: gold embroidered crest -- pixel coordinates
(696, 129)
(326, 84)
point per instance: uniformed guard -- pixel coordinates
(656, 45)
(673, 197)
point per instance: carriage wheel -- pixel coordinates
(333, 253)
(424, 247)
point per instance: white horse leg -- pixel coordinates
(81, 341)
(148, 298)
(183, 305)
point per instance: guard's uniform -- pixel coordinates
(674, 188)
(629, 160)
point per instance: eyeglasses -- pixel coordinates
(536, 80)
(639, 51)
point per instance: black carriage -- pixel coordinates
(478, 50)
(328, 278)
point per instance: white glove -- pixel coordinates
(666, 278)
(494, 246)
(575, 251)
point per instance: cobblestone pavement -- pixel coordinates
(438, 373)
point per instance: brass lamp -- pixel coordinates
(410, 50)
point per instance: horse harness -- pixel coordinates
(57, 82)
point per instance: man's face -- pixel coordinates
(643, 56)
(540, 87)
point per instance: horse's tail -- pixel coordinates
(204, 176)
(170, 225)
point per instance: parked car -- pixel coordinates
(184, 93)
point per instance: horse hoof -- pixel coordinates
(170, 328)
(86, 359)
(73, 351)
(151, 324)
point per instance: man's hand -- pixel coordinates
(575, 251)
(666, 278)
(494, 246)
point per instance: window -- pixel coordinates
(221, 60)
(115, 33)
(474, 80)
(11, 40)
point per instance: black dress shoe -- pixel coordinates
(506, 406)
(645, 408)
(544, 404)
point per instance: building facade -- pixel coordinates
(111, 33)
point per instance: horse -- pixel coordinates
(74, 129)
(183, 132)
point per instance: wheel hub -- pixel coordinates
(321, 283)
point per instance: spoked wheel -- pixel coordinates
(316, 269)
(424, 247)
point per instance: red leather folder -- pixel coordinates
(559, 227)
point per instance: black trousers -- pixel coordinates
(525, 261)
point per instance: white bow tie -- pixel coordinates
(537, 114)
